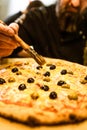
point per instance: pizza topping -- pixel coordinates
(73, 96)
(53, 95)
(2, 81)
(30, 80)
(26, 63)
(18, 63)
(45, 87)
(63, 72)
(72, 117)
(14, 69)
(47, 79)
(85, 77)
(39, 67)
(70, 72)
(52, 67)
(22, 87)
(47, 73)
(84, 81)
(34, 96)
(11, 79)
(61, 82)
(66, 86)
(48, 64)
(18, 73)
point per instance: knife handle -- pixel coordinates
(24, 45)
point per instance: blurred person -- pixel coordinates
(32, 4)
(57, 31)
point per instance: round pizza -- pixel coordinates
(51, 94)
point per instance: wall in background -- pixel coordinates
(4, 8)
(9, 7)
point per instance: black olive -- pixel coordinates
(22, 87)
(15, 70)
(63, 72)
(86, 78)
(52, 67)
(30, 80)
(72, 117)
(47, 73)
(53, 95)
(61, 82)
(18, 73)
(45, 87)
(39, 67)
(2, 81)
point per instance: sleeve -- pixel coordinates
(12, 18)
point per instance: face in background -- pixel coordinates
(69, 13)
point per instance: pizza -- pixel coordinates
(52, 94)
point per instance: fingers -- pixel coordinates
(5, 52)
(6, 30)
(7, 49)
(9, 30)
(6, 41)
(15, 27)
(4, 45)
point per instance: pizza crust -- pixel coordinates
(35, 118)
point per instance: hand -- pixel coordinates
(7, 41)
